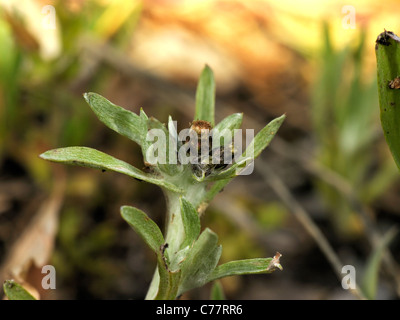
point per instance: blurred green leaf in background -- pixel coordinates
(346, 131)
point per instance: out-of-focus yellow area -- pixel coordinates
(247, 31)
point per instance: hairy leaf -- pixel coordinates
(241, 267)
(123, 121)
(387, 51)
(15, 291)
(146, 228)
(200, 261)
(92, 158)
(205, 96)
(191, 222)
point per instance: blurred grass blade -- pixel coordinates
(117, 118)
(387, 51)
(371, 274)
(92, 158)
(217, 292)
(205, 96)
(200, 261)
(15, 291)
(146, 228)
(242, 267)
(191, 222)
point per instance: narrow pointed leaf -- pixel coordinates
(15, 291)
(143, 115)
(144, 143)
(263, 138)
(231, 172)
(92, 158)
(168, 281)
(217, 292)
(242, 267)
(170, 167)
(387, 51)
(172, 129)
(123, 121)
(146, 228)
(200, 261)
(231, 122)
(205, 96)
(259, 143)
(191, 222)
(371, 274)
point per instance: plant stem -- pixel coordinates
(174, 229)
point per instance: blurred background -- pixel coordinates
(313, 60)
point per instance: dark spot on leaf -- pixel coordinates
(103, 170)
(392, 104)
(395, 83)
(384, 37)
(148, 169)
(163, 247)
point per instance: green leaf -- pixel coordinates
(146, 228)
(370, 277)
(92, 158)
(205, 96)
(151, 234)
(242, 267)
(172, 130)
(143, 115)
(200, 261)
(15, 291)
(145, 144)
(262, 138)
(387, 51)
(231, 122)
(117, 118)
(171, 166)
(169, 280)
(217, 292)
(191, 222)
(231, 172)
(173, 143)
(253, 150)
